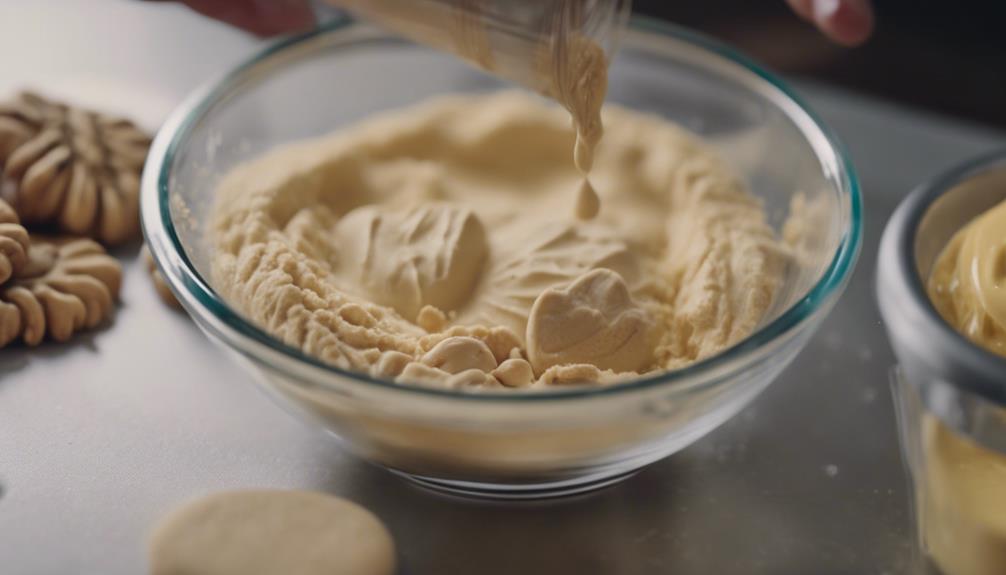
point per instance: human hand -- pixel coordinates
(848, 22)
(260, 17)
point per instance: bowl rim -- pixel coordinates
(914, 321)
(198, 297)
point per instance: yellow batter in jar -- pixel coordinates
(963, 503)
(963, 498)
(968, 283)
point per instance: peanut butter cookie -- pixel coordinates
(66, 285)
(160, 284)
(72, 168)
(13, 243)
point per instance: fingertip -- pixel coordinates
(273, 17)
(848, 22)
(263, 18)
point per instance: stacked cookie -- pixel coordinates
(69, 188)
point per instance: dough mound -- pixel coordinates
(439, 245)
(408, 259)
(595, 321)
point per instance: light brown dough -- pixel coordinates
(593, 320)
(271, 532)
(429, 255)
(451, 219)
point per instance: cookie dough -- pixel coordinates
(271, 533)
(968, 282)
(451, 222)
(563, 62)
(580, 83)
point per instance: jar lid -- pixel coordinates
(928, 348)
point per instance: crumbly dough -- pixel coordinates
(271, 533)
(390, 246)
(968, 282)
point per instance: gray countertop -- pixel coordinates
(101, 436)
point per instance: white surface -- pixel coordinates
(101, 436)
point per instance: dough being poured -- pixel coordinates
(436, 246)
(580, 84)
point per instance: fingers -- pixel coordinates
(260, 17)
(848, 22)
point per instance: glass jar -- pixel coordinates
(523, 41)
(950, 393)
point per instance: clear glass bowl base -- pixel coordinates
(513, 492)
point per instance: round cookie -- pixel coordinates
(271, 532)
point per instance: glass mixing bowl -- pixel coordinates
(508, 445)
